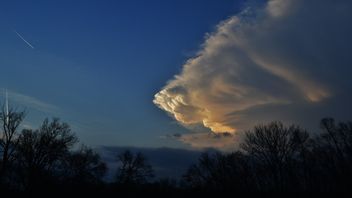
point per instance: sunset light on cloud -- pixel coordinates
(175, 97)
(258, 58)
(216, 72)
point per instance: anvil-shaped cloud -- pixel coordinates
(282, 55)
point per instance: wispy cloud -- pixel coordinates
(276, 57)
(30, 102)
(21, 37)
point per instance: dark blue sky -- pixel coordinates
(98, 64)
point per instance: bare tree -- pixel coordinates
(84, 166)
(133, 169)
(217, 171)
(337, 137)
(10, 120)
(275, 147)
(333, 154)
(39, 152)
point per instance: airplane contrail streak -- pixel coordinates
(18, 34)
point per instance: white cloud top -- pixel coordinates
(263, 62)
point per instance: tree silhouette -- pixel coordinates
(133, 169)
(332, 151)
(275, 149)
(40, 152)
(272, 157)
(84, 166)
(10, 120)
(338, 137)
(216, 171)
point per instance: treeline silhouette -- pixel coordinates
(271, 158)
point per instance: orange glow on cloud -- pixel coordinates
(249, 64)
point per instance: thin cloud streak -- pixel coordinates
(31, 102)
(19, 35)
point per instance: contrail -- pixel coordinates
(24, 39)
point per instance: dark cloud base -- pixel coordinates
(167, 162)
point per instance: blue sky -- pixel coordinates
(186, 74)
(99, 63)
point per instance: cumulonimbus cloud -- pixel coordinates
(283, 55)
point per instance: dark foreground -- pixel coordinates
(272, 158)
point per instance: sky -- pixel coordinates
(183, 74)
(98, 64)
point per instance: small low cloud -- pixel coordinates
(221, 141)
(284, 60)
